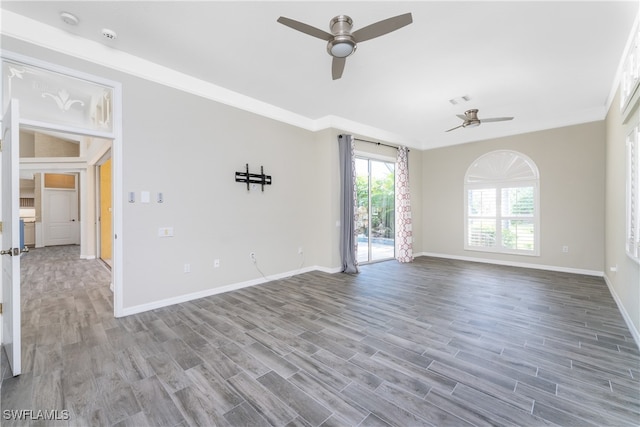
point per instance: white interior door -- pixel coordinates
(11, 236)
(60, 217)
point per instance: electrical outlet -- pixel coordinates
(216, 263)
(565, 249)
(165, 232)
(300, 251)
(252, 256)
(187, 268)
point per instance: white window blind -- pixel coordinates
(482, 214)
(633, 194)
(501, 197)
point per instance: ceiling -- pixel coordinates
(547, 63)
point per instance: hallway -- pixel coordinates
(66, 308)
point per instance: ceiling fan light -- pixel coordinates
(341, 49)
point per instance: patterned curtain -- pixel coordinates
(404, 237)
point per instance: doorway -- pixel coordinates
(60, 213)
(94, 111)
(375, 216)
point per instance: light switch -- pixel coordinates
(145, 197)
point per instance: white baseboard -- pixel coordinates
(330, 270)
(623, 311)
(327, 269)
(87, 257)
(222, 289)
(516, 264)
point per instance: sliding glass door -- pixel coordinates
(375, 217)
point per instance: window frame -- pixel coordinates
(632, 226)
(372, 157)
(498, 184)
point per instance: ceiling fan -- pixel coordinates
(341, 41)
(471, 119)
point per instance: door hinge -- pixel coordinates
(0, 226)
(0, 308)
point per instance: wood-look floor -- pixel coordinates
(434, 342)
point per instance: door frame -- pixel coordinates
(98, 192)
(116, 153)
(369, 157)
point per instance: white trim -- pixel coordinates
(374, 156)
(73, 130)
(499, 183)
(632, 196)
(349, 126)
(31, 31)
(516, 264)
(49, 164)
(117, 205)
(102, 159)
(88, 257)
(623, 311)
(37, 33)
(328, 270)
(127, 311)
(48, 66)
(618, 76)
(115, 135)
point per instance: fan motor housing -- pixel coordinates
(341, 24)
(342, 44)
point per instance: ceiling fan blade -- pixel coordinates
(337, 67)
(461, 116)
(496, 119)
(305, 28)
(454, 128)
(382, 27)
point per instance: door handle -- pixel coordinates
(73, 220)
(14, 251)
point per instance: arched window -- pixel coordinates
(502, 204)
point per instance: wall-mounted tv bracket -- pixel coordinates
(253, 178)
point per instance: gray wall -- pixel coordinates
(189, 148)
(571, 165)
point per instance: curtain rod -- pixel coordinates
(377, 143)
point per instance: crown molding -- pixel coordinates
(34, 32)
